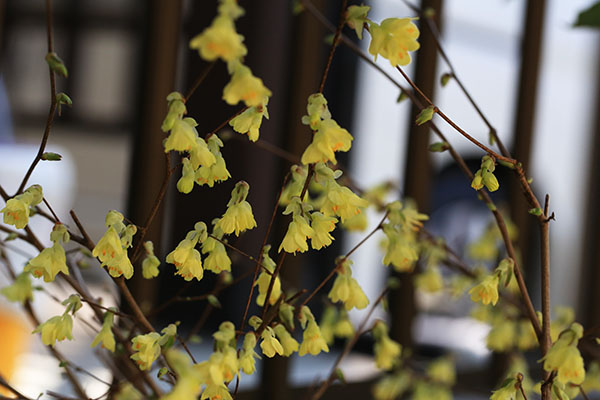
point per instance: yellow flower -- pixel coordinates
(321, 226)
(217, 260)
(187, 387)
(289, 344)
(237, 218)
(264, 280)
(220, 40)
(390, 387)
(109, 250)
(250, 120)
(48, 263)
(150, 263)
(216, 392)
(16, 212)
(506, 392)
(317, 110)
(270, 345)
(393, 39)
(346, 289)
(342, 202)
(387, 353)
(217, 172)
(502, 337)
(146, 349)
(200, 155)
(245, 87)
(430, 280)
(486, 291)
(55, 329)
(248, 355)
(105, 336)
(312, 340)
(564, 357)
(187, 260)
(356, 17)
(21, 289)
(328, 139)
(185, 184)
(295, 238)
(400, 248)
(442, 371)
(183, 136)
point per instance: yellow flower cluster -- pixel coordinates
(185, 257)
(16, 211)
(346, 289)
(111, 251)
(393, 39)
(238, 217)
(51, 260)
(401, 245)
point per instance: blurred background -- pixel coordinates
(533, 74)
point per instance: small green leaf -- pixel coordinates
(63, 99)
(491, 206)
(589, 17)
(535, 211)
(401, 97)
(340, 375)
(162, 371)
(48, 156)
(11, 236)
(439, 147)
(328, 39)
(56, 64)
(445, 78)
(506, 164)
(393, 282)
(425, 115)
(63, 364)
(213, 301)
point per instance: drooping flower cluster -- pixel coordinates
(387, 351)
(105, 337)
(217, 259)
(393, 39)
(329, 137)
(185, 257)
(485, 175)
(487, 290)
(16, 211)
(312, 339)
(335, 323)
(147, 348)
(401, 245)
(111, 249)
(238, 217)
(51, 260)
(221, 40)
(20, 290)
(346, 289)
(564, 357)
(60, 327)
(150, 263)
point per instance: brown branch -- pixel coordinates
(336, 38)
(199, 80)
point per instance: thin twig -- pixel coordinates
(199, 80)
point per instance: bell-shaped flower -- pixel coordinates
(312, 340)
(328, 139)
(183, 136)
(238, 217)
(289, 344)
(393, 39)
(250, 120)
(248, 356)
(486, 291)
(244, 86)
(217, 260)
(346, 289)
(109, 250)
(146, 350)
(270, 345)
(317, 111)
(387, 351)
(220, 40)
(216, 392)
(105, 337)
(20, 290)
(342, 202)
(48, 263)
(201, 156)
(57, 328)
(176, 111)
(16, 212)
(321, 225)
(150, 263)
(356, 17)
(263, 282)
(187, 260)
(185, 184)
(296, 236)
(400, 249)
(565, 358)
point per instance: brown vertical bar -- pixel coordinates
(148, 166)
(523, 125)
(417, 178)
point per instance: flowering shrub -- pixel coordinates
(318, 201)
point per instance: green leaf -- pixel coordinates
(439, 147)
(328, 39)
(340, 375)
(161, 372)
(535, 211)
(401, 97)
(445, 78)
(11, 236)
(589, 17)
(63, 99)
(425, 115)
(213, 301)
(56, 64)
(48, 156)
